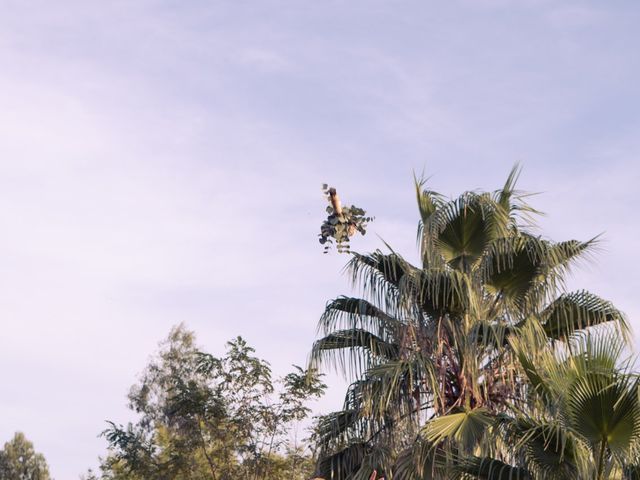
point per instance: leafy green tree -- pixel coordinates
(204, 417)
(19, 461)
(429, 347)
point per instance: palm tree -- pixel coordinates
(429, 342)
(581, 419)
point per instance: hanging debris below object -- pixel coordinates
(341, 222)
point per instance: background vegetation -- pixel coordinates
(475, 364)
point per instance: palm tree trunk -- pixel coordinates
(600, 464)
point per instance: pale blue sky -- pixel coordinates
(160, 162)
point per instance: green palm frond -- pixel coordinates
(379, 276)
(545, 446)
(402, 384)
(520, 271)
(353, 350)
(495, 335)
(346, 313)
(344, 463)
(486, 468)
(340, 428)
(389, 268)
(512, 268)
(505, 195)
(378, 459)
(466, 427)
(605, 408)
(512, 202)
(631, 472)
(416, 462)
(428, 201)
(603, 351)
(461, 229)
(524, 271)
(591, 397)
(351, 424)
(562, 255)
(357, 392)
(577, 311)
(438, 292)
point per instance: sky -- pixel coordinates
(161, 162)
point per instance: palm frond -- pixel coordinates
(379, 459)
(546, 447)
(353, 351)
(339, 428)
(428, 203)
(461, 229)
(350, 312)
(466, 427)
(517, 213)
(525, 271)
(344, 463)
(605, 408)
(403, 385)
(428, 200)
(379, 276)
(512, 269)
(485, 334)
(419, 461)
(486, 468)
(438, 292)
(579, 310)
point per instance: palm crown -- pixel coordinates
(430, 348)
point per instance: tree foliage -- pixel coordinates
(207, 417)
(19, 461)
